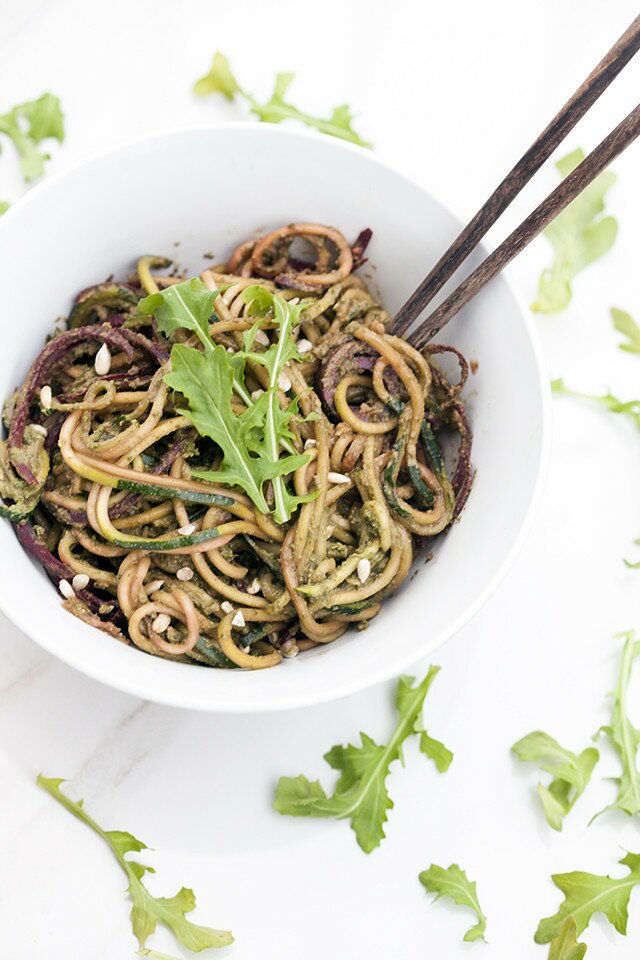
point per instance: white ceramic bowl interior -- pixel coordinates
(207, 189)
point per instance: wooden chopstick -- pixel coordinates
(584, 174)
(585, 96)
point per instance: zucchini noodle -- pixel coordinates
(98, 472)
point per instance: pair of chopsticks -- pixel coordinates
(593, 165)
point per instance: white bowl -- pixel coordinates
(208, 188)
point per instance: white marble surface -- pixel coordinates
(451, 93)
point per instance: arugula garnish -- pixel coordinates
(623, 736)
(624, 323)
(628, 408)
(251, 441)
(578, 235)
(571, 773)
(28, 124)
(453, 882)
(147, 911)
(220, 79)
(586, 894)
(361, 795)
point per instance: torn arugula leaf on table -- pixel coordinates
(579, 235)
(571, 773)
(628, 408)
(27, 125)
(361, 794)
(220, 79)
(589, 893)
(565, 946)
(623, 736)
(147, 911)
(251, 440)
(453, 883)
(624, 323)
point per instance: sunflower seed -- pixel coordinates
(161, 622)
(238, 620)
(289, 648)
(66, 590)
(310, 443)
(102, 362)
(39, 429)
(46, 397)
(153, 586)
(337, 477)
(187, 530)
(262, 338)
(256, 394)
(364, 570)
(283, 382)
(226, 607)
(185, 573)
(80, 581)
(254, 586)
(305, 346)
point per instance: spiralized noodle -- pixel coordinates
(97, 470)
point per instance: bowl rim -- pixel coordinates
(357, 683)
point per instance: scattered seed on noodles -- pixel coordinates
(238, 620)
(256, 394)
(337, 477)
(294, 300)
(305, 346)
(161, 622)
(80, 581)
(254, 586)
(153, 586)
(102, 362)
(283, 382)
(39, 429)
(310, 443)
(364, 570)
(226, 607)
(46, 397)
(66, 590)
(289, 649)
(185, 573)
(187, 530)
(261, 338)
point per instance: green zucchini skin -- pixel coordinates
(15, 515)
(166, 493)
(168, 543)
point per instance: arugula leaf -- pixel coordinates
(623, 736)
(578, 235)
(251, 441)
(628, 408)
(28, 124)
(147, 911)
(624, 323)
(360, 795)
(453, 882)
(565, 946)
(571, 773)
(186, 306)
(220, 79)
(589, 893)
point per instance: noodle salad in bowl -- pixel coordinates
(219, 456)
(229, 469)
